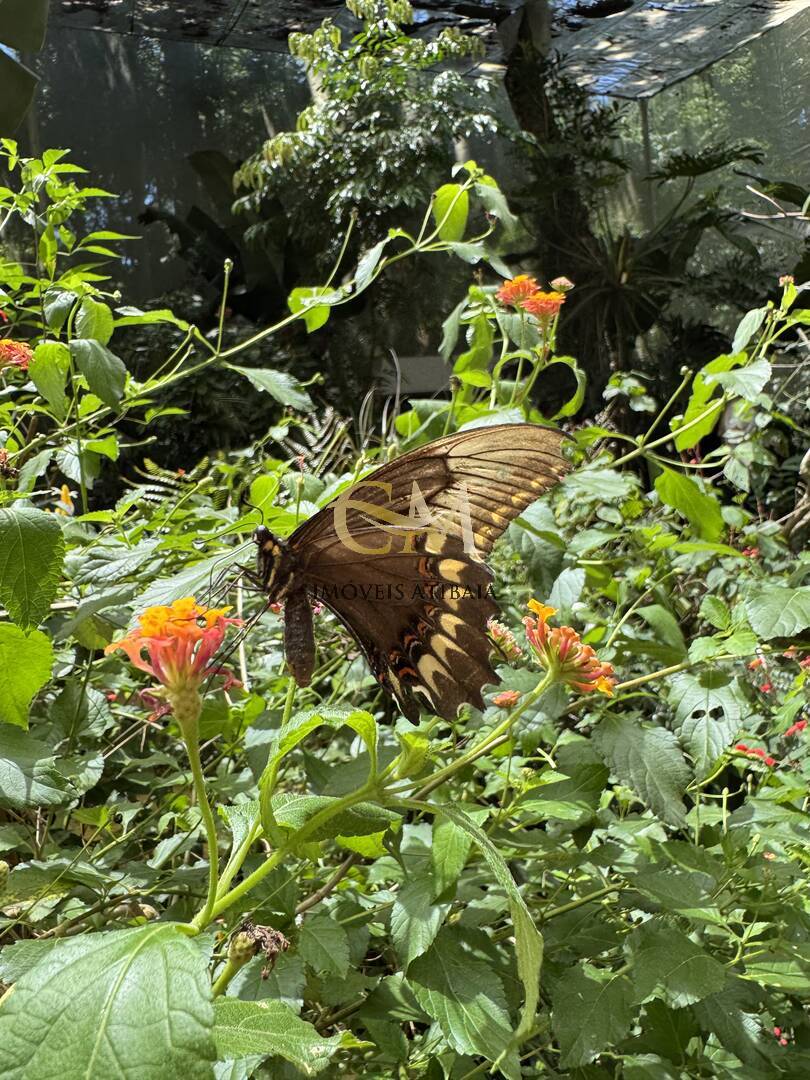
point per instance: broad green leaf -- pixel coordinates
(57, 304)
(132, 316)
(748, 382)
(684, 494)
(566, 798)
(25, 667)
(367, 264)
(709, 708)
(72, 1014)
(415, 918)
(28, 773)
(105, 373)
(294, 812)
(667, 964)
(465, 997)
(49, 372)
(735, 1017)
(94, 320)
(18, 85)
(451, 208)
(567, 589)
(479, 354)
(528, 940)
(494, 201)
(700, 402)
(324, 945)
(271, 1028)
(314, 302)
(286, 982)
(715, 611)
(667, 631)
(782, 967)
(592, 1009)
(778, 611)
(32, 550)
(648, 760)
(279, 385)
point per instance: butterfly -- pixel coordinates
(399, 558)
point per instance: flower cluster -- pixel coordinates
(504, 640)
(796, 729)
(506, 699)
(15, 354)
(524, 293)
(559, 649)
(756, 752)
(180, 641)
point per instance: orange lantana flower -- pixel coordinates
(516, 290)
(507, 699)
(15, 354)
(176, 644)
(543, 305)
(559, 649)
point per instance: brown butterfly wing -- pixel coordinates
(418, 602)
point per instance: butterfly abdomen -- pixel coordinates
(299, 636)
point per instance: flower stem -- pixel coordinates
(192, 740)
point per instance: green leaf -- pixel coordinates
(242, 1028)
(747, 382)
(25, 667)
(708, 713)
(479, 354)
(778, 611)
(415, 918)
(293, 812)
(49, 372)
(715, 611)
(94, 320)
(279, 385)
(668, 965)
(132, 316)
(304, 723)
(648, 760)
(592, 1010)
(324, 945)
(451, 208)
(699, 402)
(463, 995)
(314, 301)
(566, 798)
(72, 1013)
(28, 773)
(494, 202)
(449, 852)
(190, 581)
(684, 494)
(748, 326)
(367, 264)
(57, 304)
(32, 550)
(105, 373)
(782, 968)
(528, 940)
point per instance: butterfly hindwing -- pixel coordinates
(399, 558)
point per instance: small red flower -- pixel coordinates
(756, 752)
(796, 729)
(504, 639)
(766, 687)
(751, 552)
(3, 316)
(757, 662)
(507, 699)
(805, 663)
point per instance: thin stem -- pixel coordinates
(223, 307)
(192, 741)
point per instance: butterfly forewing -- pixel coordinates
(399, 558)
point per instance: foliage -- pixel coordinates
(22, 28)
(377, 137)
(272, 881)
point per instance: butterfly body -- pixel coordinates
(399, 556)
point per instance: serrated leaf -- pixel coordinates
(105, 373)
(49, 373)
(649, 761)
(667, 964)
(28, 773)
(72, 1013)
(94, 320)
(271, 1028)
(463, 995)
(324, 945)
(25, 667)
(415, 918)
(592, 1009)
(279, 385)
(32, 550)
(449, 852)
(747, 382)
(778, 611)
(708, 713)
